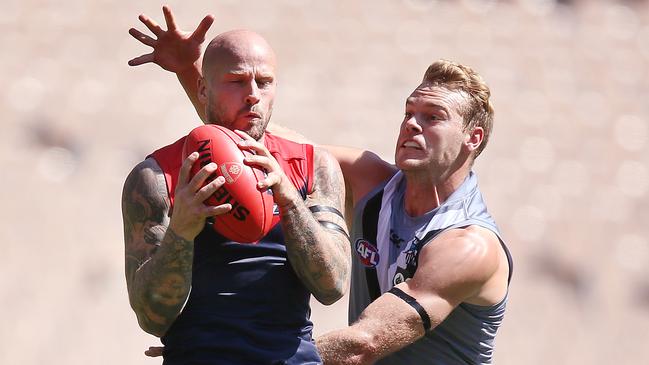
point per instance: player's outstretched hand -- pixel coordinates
(173, 49)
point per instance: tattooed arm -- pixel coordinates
(159, 251)
(320, 256)
(157, 290)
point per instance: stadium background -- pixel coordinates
(566, 174)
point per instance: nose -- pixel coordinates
(411, 124)
(253, 93)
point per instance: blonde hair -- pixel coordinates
(478, 110)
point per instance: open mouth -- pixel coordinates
(411, 144)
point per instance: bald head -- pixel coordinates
(238, 83)
(234, 46)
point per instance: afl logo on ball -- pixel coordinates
(230, 171)
(367, 253)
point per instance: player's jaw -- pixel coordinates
(247, 119)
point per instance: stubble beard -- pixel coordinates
(256, 131)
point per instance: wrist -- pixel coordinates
(176, 234)
(191, 71)
(288, 203)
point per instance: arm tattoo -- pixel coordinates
(319, 256)
(158, 262)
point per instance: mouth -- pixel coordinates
(252, 115)
(411, 144)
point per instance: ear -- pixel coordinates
(202, 91)
(474, 138)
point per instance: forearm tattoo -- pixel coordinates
(319, 256)
(158, 262)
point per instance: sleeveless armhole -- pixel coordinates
(486, 225)
(370, 221)
(309, 168)
(169, 159)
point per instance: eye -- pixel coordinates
(407, 115)
(262, 83)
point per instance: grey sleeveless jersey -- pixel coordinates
(467, 335)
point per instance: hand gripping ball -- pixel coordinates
(252, 210)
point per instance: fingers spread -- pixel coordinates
(141, 60)
(142, 37)
(152, 25)
(169, 18)
(203, 27)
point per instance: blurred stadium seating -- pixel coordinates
(566, 174)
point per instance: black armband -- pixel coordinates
(334, 226)
(327, 224)
(325, 208)
(425, 319)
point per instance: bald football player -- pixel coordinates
(220, 302)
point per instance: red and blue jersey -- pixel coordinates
(246, 304)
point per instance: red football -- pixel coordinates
(252, 210)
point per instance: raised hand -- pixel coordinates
(173, 49)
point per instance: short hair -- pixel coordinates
(478, 110)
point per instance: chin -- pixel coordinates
(408, 164)
(404, 160)
(256, 131)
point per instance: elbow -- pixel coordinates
(329, 297)
(150, 322)
(148, 326)
(332, 292)
(367, 355)
(349, 346)
(155, 331)
(366, 349)
(336, 286)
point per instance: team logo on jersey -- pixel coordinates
(367, 253)
(398, 278)
(231, 171)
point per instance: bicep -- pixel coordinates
(363, 170)
(451, 269)
(390, 323)
(328, 187)
(145, 208)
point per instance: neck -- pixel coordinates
(425, 192)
